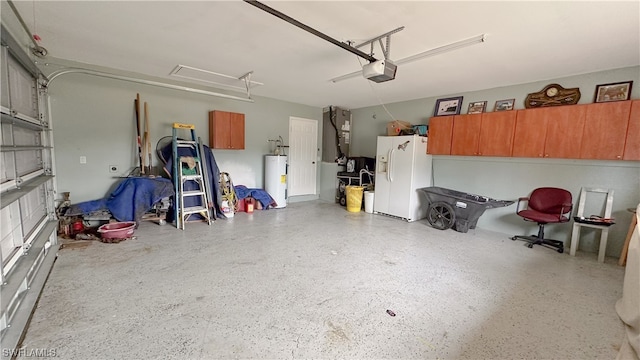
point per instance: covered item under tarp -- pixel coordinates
(133, 197)
(259, 194)
(209, 165)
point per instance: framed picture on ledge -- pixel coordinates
(448, 106)
(504, 105)
(477, 107)
(613, 92)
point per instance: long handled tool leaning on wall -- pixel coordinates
(138, 140)
(147, 139)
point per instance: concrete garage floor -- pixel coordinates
(314, 281)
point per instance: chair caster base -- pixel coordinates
(534, 240)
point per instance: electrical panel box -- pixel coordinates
(336, 134)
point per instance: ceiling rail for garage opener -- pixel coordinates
(315, 32)
(58, 73)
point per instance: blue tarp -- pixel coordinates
(130, 200)
(259, 194)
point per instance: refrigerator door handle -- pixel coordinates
(388, 164)
(390, 169)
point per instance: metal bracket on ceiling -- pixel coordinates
(386, 50)
(217, 79)
(247, 82)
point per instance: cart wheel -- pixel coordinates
(343, 201)
(530, 245)
(441, 216)
(561, 250)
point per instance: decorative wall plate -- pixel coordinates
(552, 95)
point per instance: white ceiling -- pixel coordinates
(526, 41)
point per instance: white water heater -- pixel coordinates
(275, 178)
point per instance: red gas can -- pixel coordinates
(77, 226)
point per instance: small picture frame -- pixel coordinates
(504, 105)
(477, 107)
(448, 106)
(613, 92)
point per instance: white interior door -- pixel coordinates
(303, 149)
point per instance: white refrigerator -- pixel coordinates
(402, 167)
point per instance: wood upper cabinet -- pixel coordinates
(602, 131)
(632, 145)
(466, 134)
(440, 131)
(226, 130)
(496, 133)
(530, 132)
(488, 134)
(605, 130)
(564, 131)
(553, 132)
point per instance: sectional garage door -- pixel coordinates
(28, 238)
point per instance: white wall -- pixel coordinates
(94, 117)
(510, 178)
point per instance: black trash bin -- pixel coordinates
(450, 208)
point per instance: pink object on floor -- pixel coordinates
(118, 230)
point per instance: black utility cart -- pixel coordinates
(450, 208)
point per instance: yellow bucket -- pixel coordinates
(354, 198)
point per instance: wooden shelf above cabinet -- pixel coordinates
(226, 130)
